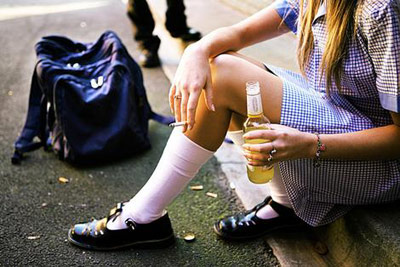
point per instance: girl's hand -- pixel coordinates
(193, 75)
(289, 143)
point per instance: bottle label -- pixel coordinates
(254, 105)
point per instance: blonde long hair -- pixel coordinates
(340, 23)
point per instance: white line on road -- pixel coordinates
(7, 13)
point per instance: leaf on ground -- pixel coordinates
(232, 185)
(189, 237)
(63, 180)
(196, 187)
(213, 195)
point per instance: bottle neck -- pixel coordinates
(254, 105)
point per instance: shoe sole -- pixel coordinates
(265, 233)
(148, 244)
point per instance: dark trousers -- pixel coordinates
(143, 22)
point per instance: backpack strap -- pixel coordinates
(161, 118)
(35, 124)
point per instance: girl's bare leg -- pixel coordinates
(230, 72)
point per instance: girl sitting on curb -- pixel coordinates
(335, 127)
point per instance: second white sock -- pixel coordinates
(278, 194)
(181, 160)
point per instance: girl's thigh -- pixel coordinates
(231, 71)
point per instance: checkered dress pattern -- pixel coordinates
(370, 89)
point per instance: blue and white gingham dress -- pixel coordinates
(370, 89)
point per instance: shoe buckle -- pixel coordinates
(131, 223)
(119, 207)
(115, 212)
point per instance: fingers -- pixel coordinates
(191, 109)
(184, 98)
(257, 159)
(260, 148)
(261, 158)
(177, 107)
(256, 156)
(260, 154)
(183, 107)
(171, 98)
(261, 134)
(209, 96)
(281, 143)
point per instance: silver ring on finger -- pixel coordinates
(270, 157)
(271, 153)
(273, 150)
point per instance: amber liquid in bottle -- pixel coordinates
(256, 121)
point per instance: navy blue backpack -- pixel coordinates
(87, 102)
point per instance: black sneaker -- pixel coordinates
(96, 236)
(247, 225)
(149, 59)
(187, 35)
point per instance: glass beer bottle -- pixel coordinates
(256, 121)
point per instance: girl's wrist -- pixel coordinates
(312, 145)
(199, 48)
(320, 149)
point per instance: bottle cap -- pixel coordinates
(252, 87)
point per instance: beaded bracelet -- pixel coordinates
(320, 148)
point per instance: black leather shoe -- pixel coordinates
(96, 236)
(247, 225)
(149, 59)
(188, 35)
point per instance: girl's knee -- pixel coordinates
(222, 68)
(221, 62)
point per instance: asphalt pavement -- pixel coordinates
(37, 211)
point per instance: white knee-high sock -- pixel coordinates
(236, 137)
(278, 194)
(181, 160)
(277, 189)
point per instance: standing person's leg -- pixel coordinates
(143, 219)
(143, 24)
(176, 22)
(175, 16)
